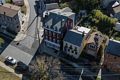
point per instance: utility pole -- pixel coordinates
(80, 78)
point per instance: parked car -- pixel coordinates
(10, 60)
(21, 68)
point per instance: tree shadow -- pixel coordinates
(7, 40)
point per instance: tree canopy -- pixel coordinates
(102, 21)
(88, 4)
(1, 41)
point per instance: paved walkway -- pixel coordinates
(10, 69)
(22, 34)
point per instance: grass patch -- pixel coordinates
(6, 75)
(63, 5)
(8, 1)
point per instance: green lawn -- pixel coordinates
(8, 1)
(6, 75)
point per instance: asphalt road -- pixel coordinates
(25, 49)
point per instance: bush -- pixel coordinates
(1, 41)
(103, 22)
(63, 5)
(8, 1)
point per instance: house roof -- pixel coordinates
(83, 29)
(9, 9)
(56, 18)
(113, 47)
(95, 37)
(64, 12)
(52, 6)
(74, 37)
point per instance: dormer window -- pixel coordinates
(60, 29)
(56, 29)
(51, 27)
(47, 26)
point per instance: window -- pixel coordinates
(65, 47)
(51, 27)
(72, 51)
(92, 46)
(70, 47)
(47, 26)
(115, 57)
(76, 52)
(17, 26)
(56, 29)
(68, 50)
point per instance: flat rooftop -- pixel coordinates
(9, 10)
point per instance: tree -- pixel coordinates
(1, 42)
(102, 21)
(88, 4)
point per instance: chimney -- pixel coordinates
(4, 13)
(62, 22)
(83, 33)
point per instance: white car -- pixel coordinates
(11, 60)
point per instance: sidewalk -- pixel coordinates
(22, 34)
(10, 69)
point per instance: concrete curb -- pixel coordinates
(22, 34)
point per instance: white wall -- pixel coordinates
(79, 49)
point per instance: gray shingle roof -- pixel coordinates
(73, 37)
(113, 48)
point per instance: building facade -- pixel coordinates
(10, 18)
(56, 23)
(93, 43)
(73, 43)
(112, 57)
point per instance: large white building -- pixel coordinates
(73, 43)
(56, 22)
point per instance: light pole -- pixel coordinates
(80, 78)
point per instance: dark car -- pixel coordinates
(21, 68)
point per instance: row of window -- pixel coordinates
(51, 34)
(70, 49)
(8, 18)
(52, 39)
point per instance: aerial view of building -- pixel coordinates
(59, 39)
(56, 23)
(10, 17)
(74, 41)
